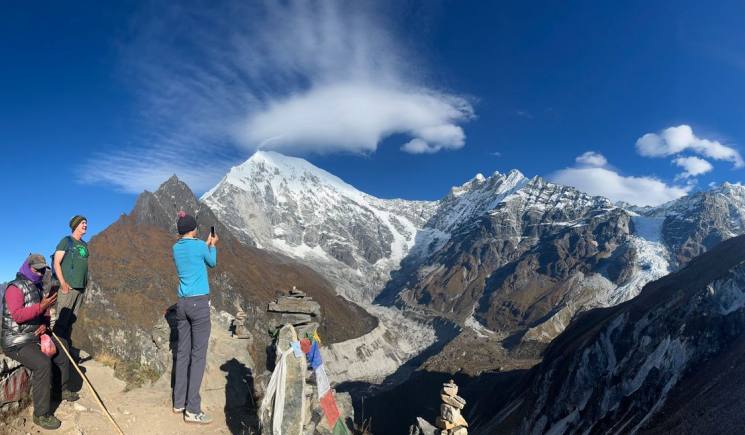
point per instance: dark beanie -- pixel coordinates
(75, 221)
(185, 223)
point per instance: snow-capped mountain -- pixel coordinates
(694, 224)
(518, 255)
(532, 255)
(287, 205)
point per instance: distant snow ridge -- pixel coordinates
(475, 198)
(356, 240)
(288, 205)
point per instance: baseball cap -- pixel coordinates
(37, 261)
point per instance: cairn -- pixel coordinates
(297, 309)
(295, 318)
(239, 328)
(450, 419)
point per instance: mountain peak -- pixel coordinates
(513, 177)
(281, 173)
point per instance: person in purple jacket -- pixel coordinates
(192, 257)
(25, 318)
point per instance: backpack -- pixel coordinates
(68, 249)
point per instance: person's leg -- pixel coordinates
(183, 351)
(63, 363)
(65, 312)
(198, 311)
(31, 357)
(79, 294)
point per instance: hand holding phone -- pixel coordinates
(212, 239)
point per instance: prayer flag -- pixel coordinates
(330, 410)
(322, 380)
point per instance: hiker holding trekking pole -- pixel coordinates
(192, 257)
(25, 320)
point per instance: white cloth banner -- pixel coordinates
(322, 381)
(275, 393)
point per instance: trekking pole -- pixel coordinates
(88, 383)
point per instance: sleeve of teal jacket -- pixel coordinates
(210, 255)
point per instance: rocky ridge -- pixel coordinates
(614, 369)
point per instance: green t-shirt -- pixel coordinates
(74, 263)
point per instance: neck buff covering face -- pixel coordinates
(29, 274)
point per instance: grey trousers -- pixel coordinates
(68, 305)
(193, 323)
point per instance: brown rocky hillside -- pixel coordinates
(133, 282)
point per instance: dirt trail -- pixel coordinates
(145, 410)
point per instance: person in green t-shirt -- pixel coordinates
(71, 268)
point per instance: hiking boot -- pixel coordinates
(199, 418)
(48, 422)
(69, 396)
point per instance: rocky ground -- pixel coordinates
(226, 396)
(142, 410)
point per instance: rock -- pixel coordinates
(292, 421)
(458, 420)
(449, 413)
(242, 332)
(450, 388)
(459, 431)
(286, 304)
(297, 293)
(425, 427)
(444, 424)
(456, 401)
(293, 319)
(307, 329)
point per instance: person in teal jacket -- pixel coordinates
(192, 257)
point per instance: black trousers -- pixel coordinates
(31, 357)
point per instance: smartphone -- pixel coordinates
(212, 231)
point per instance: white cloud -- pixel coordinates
(356, 117)
(134, 173)
(297, 77)
(592, 158)
(675, 140)
(693, 166)
(610, 184)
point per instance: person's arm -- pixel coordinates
(58, 256)
(210, 255)
(19, 313)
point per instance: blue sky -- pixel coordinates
(404, 99)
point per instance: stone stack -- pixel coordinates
(239, 327)
(450, 420)
(297, 309)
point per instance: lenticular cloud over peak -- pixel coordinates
(297, 77)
